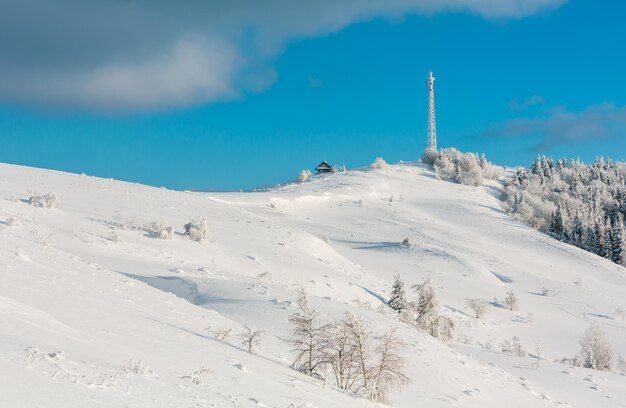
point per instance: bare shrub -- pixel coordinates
(548, 292)
(137, 368)
(50, 200)
(197, 230)
(571, 361)
(478, 306)
(511, 302)
(595, 349)
(220, 334)
(198, 377)
(250, 338)
(513, 346)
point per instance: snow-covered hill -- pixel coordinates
(93, 315)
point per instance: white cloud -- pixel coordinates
(560, 126)
(160, 53)
(534, 100)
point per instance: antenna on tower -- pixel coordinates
(432, 127)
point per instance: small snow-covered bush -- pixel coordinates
(379, 163)
(12, 222)
(571, 361)
(197, 230)
(304, 176)
(478, 306)
(160, 230)
(595, 349)
(621, 365)
(511, 302)
(50, 200)
(548, 292)
(513, 346)
(409, 242)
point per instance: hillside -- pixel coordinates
(83, 300)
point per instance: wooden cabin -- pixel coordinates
(324, 167)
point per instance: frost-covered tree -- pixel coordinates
(388, 373)
(580, 204)
(478, 306)
(427, 314)
(511, 301)
(307, 337)
(250, 338)
(556, 224)
(397, 300)
(461, 168)
(595, 349)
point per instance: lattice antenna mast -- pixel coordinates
(432, 127)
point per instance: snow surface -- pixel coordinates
(93, 315)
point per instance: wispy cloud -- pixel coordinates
(534, 100)
(146, 54)
(558, 126)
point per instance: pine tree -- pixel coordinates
(591, 241)
(397, 300)
(617, 240)
(577, 230)
(556, 224)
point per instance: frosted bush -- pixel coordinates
(50, 200)
(511, 302)
(461, 168)
(595, 349)
(160, 230)
(513, 346)
(304, 176)
(197, 230)
(379, 163)
(621, 365)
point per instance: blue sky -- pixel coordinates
(512, 83)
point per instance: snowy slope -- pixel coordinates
(77, 304)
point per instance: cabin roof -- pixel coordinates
(323, 165)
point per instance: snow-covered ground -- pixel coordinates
(95, 315)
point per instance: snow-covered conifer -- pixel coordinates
(397, 300)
